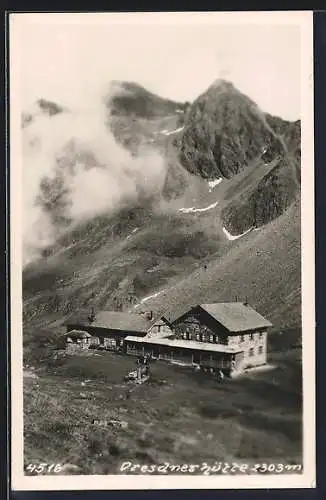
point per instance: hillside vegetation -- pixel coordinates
(262, 267)
(178, 417)
(151, 246)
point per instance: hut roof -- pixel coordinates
(113, 320)
(236, 316)
(175, 313)
(80, 334)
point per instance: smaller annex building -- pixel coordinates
(78, 339)
(222, 336)
(109, 329)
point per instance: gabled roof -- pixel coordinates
(236, 316)
(78, 334)
(113, 320)
(175, 313)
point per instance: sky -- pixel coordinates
(71, 59)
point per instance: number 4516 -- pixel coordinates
(43, 468)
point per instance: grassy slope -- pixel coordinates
(104, 259)
(262, 266)
(188, 419)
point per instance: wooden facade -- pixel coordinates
(197, 325)
(114, 339)
(199, 338)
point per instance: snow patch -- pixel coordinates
(194, 210)
(133, 232)
(153, 269)
(235, 237)
(212, 184)
(145, 299)
(167, 132)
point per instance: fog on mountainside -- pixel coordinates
(74, 169)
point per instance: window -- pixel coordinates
(242, 338)
(251, 352)
(204, 337)
(251, 336)
(198, 337)
(184, 335)
(260, 349)
(261, 335)
(211, 338)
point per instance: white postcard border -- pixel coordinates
(127, 482)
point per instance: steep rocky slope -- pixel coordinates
(289, 131)
(180, 243)
(224, 130)
(132, 98)
(262, 267)
(224, 133)
(265, 201)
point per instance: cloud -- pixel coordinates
(67, 59)
(74, 169)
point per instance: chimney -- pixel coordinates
(149, 315)
(246, 302)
